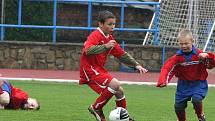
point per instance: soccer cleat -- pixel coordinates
(99, 115)
(202, 118)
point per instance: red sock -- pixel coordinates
(121, 102)
(181, 115)
(104, 97)
(198, 109)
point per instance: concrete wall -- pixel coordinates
(65, 56)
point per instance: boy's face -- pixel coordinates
(185, 43)
(108, 26)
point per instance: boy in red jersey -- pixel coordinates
(15, 98)
(99, 44)
(190, 66)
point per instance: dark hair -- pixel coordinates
(103, 15)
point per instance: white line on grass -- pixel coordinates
(76, 81)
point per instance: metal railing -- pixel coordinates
(54, 26)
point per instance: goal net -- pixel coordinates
(195, 15)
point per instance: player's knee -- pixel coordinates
(181, 106)
(114, 84)
(196, 100)
(120, 93)
(4, 98)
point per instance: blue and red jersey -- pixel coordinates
(18, 97)
(186, 66)
(94, 64)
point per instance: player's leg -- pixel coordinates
(198, 107)
(100, 86)
(98, 113)
(106, 94)
(181, 97)
(180, 111)
(4, 98)
(201, 89)
(5, 93)
(120, 98)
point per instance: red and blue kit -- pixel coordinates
(17, 96)
(92, 66)
(191, 73)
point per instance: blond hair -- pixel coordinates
(184, 33)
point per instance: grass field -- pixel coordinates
(69, 102)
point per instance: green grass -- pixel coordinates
(69, 102)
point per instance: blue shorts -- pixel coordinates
(6, 87)
(187, 90)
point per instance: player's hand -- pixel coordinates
(202, 56)
(141, 69)
(110, 44)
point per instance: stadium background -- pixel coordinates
(33, 48)
(29, 54)
(71, 14)
(30, 48)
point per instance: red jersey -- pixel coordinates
(186, 67)
(17, 98)
(94, 64)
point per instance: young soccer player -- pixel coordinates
(15, 98)
(190, 66)
(99, 44)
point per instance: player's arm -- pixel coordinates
(127, 59)
(97, 49)
(167, 72)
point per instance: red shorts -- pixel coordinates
(99, 82)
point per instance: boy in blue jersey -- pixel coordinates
(190, 66)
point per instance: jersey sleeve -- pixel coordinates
(127, 59)
(91, 41)
(167, 71)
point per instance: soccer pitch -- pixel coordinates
(69, 102)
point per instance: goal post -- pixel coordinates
(195, 15)
(209, 40)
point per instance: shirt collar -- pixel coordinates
(103, 33)
(180, 52)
